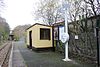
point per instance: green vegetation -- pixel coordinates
(4, 30)
(20, 31)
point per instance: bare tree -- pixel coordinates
(48, 11)
(94, 6)
(19, 31)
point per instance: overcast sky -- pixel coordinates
(19, 12)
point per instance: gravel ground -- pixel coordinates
(7, 60)
(4, 54)
(45, 59)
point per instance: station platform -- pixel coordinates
(21, 56)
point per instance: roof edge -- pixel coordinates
(38, 24)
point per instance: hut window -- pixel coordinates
(44, 34)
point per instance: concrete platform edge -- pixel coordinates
(10, 58)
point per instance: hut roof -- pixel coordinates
(38, 24)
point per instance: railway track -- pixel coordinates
(4, 54)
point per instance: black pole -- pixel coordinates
(97, 39)
(53, 38)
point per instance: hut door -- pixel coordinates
(30, 38)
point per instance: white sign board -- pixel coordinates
(61, 31)
(64, 37)
(76, 36)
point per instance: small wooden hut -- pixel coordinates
(39, 36)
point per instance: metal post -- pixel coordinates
(66, 31)
(97, 38)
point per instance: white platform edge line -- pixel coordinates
(10, 58)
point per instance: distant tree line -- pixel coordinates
(4, 30)
(19, 31)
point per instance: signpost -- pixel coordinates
(65, 36)
(65, 39)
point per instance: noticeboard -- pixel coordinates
(64, 37)
(61, 31)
